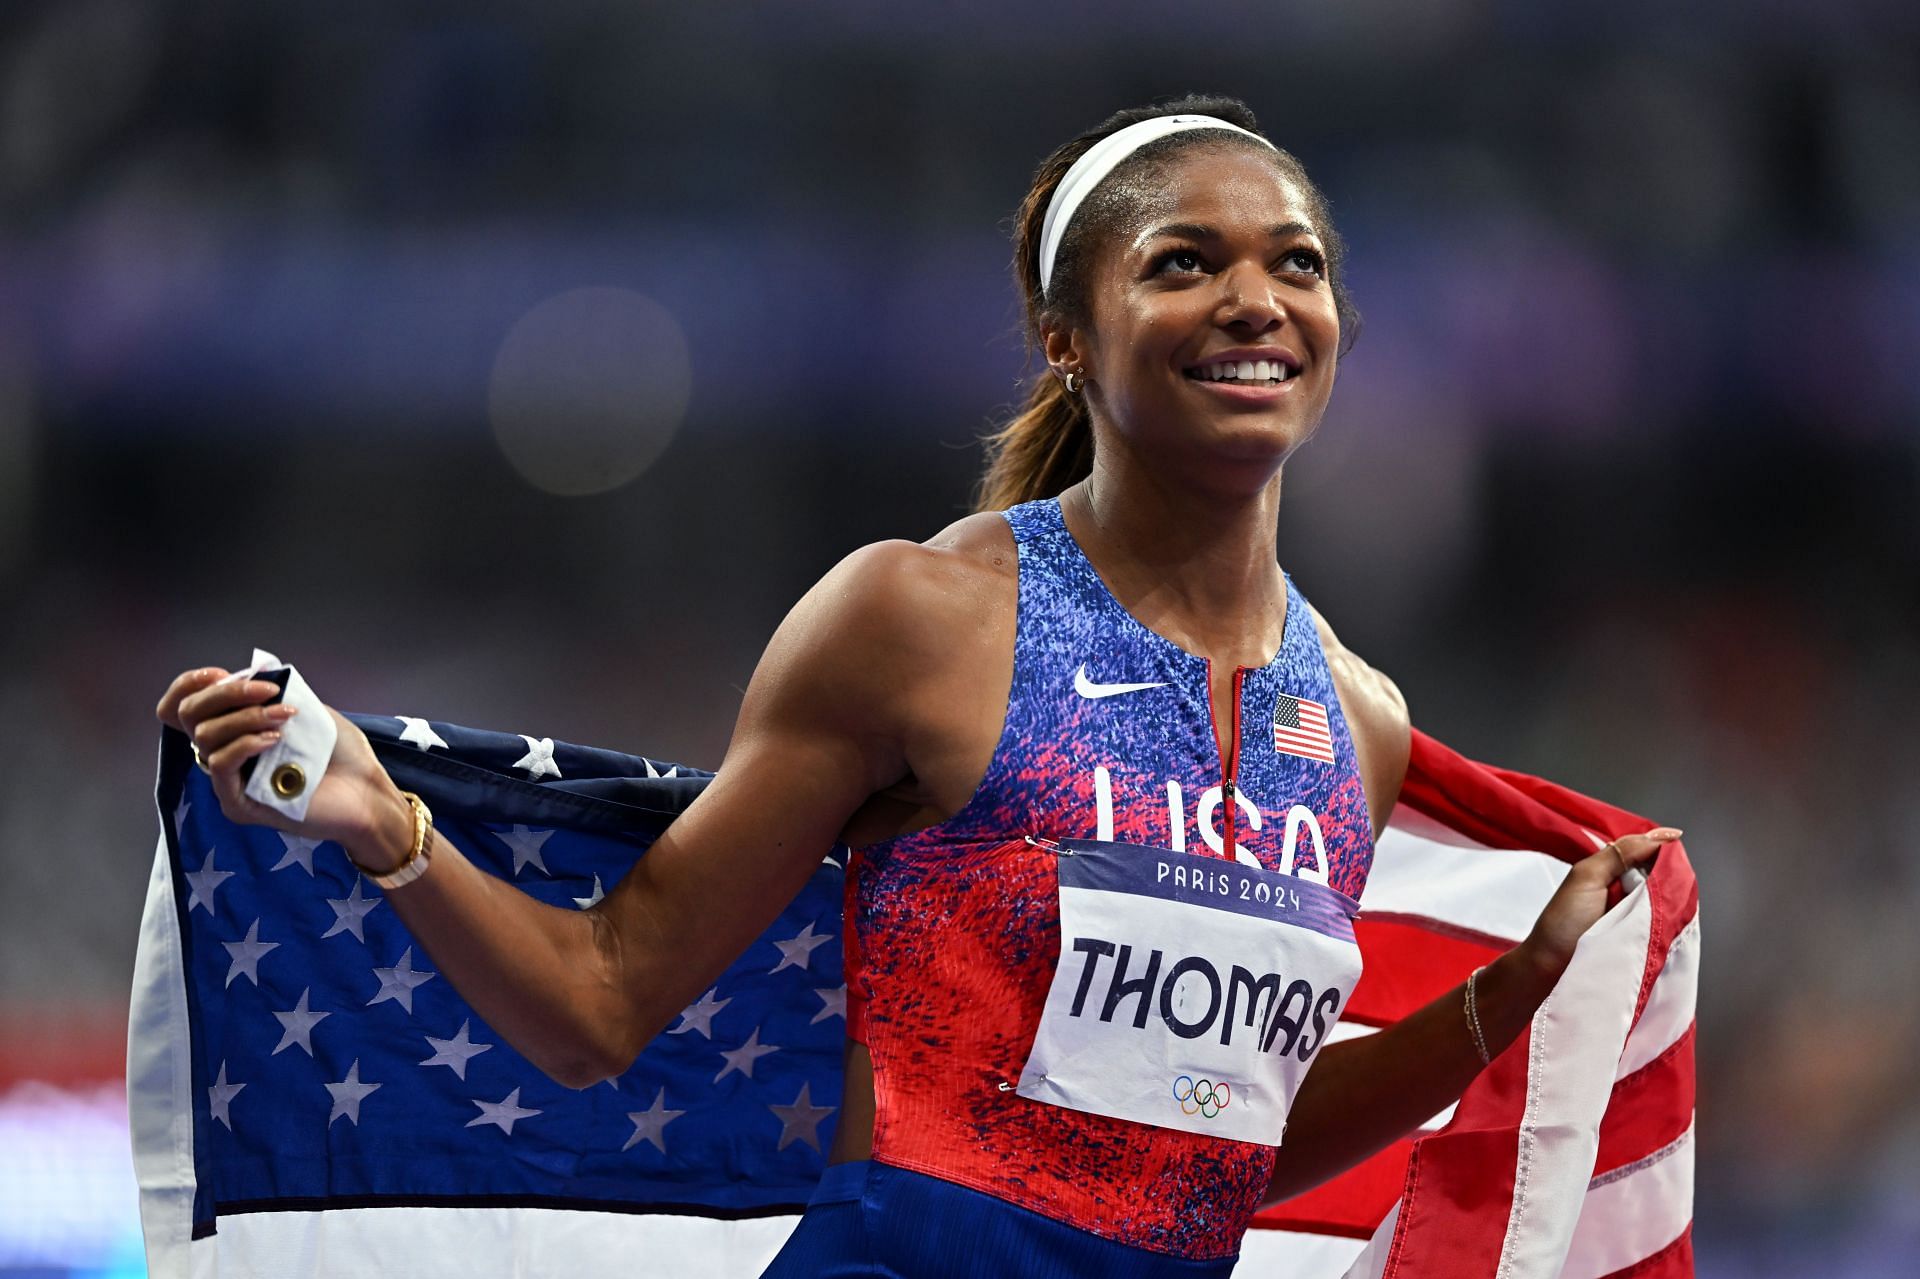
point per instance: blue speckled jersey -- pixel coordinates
(954, 930)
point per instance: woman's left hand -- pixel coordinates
(1583, 897)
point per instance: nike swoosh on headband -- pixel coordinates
(1087, 688)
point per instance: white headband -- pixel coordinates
(1100, 159)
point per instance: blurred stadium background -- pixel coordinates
(519, 364)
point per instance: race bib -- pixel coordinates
(1191, 992)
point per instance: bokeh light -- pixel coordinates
(589, 388)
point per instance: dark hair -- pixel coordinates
(1049, 444)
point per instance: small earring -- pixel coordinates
(1074, 379)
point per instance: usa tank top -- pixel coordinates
(953, 932)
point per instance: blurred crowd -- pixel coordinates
(518, 365)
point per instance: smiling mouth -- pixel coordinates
(1245, 372)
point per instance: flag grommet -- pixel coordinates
(289, 780)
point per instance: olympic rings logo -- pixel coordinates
(1201, 1097)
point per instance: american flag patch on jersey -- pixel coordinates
(1300, 728)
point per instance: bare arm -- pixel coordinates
(1363, 1094)
(581, 992)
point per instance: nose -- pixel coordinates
(1250, 300)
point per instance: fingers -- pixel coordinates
(1631, 852)
(223, 769)
(216, 699)
(213, 735)
(185, 685)
(227, 759)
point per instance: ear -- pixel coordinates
(1064, 350)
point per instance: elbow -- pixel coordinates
(583, 1064)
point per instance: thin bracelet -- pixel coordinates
(1473, 1019)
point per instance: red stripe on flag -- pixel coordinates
(1649, 1109)
(1675, 895)
(1352, 1204)
(1463, 1236)
(1407, 966)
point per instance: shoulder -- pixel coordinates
(903, 591)
(1376, 715)
(895, 615)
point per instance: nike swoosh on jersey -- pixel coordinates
(1087, 688)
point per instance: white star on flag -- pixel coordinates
(180, 819)
(202, 883)
(650, 1124)
(538, 761)
(673, 770)
(699, 1016)
(348, 1094)
(598, 895)
(455, 1052)
(526, 843)
(247, 953)
(221, 1095)
(397, 982)
(420, 733)
(801, 1120)
(296, 1026)
(349, 911)
(797, 951)
(503, 1114)
(299, 852)
(833, 1003)
(743, 1057)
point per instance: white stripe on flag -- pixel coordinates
(1634, 1212)
(1669, 1009)
(1293, 1254)
(449, 1243)
(1372, 1261)
(1573, 1045)
(160, 1080)
(1455, 884)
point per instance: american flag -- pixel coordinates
(1300, 728)
(309, 1098)
(1572, 1155)
(331, 1067)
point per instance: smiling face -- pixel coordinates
(1210, 335)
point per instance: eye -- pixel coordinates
(1179, 262)
(1310, 261)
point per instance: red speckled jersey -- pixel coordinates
(953, 931)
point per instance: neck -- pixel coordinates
(1199, 566)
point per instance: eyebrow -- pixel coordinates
(1200, 231)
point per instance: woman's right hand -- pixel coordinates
(356, 803)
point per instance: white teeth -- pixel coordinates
(1254, 371)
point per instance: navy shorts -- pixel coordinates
(871, 1221)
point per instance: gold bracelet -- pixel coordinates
(414, 864)
(1473, 1018)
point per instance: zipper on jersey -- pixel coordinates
(1229, 758)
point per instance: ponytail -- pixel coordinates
(1048, 447)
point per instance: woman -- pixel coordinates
(1127, 663)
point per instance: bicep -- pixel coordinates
(817, 734)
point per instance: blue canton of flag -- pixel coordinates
(332, 1066)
